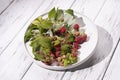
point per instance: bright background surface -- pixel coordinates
(15, 15)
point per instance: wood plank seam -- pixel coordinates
(100, 10)
(111, 59)
(66, 70)
(72, 3)
(93, 21)
(7, 6)
(26, 71)
(63, 75)
(20, 30)
(16, 35)
(32, 62)
(49, 5)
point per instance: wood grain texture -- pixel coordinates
(11, 58)
(89, 8)
(113, 70)
(14, 18)
(4, 4)
(14, 46)
(17, 19)
(67, 76)
(14, 61)
(95, 65)
(15, 66)
(109, 19)
(13, 23)
(41, 73)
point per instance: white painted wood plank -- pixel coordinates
(88, 73)
(66, 76)
(4, 4)
(14, 60)
(113, 72)
(17, 20)
(37, 73)
(11, 51)
(109, 19)
(89, 69)
(16, 65)
(14, 45)
(89, 8)
(33, 76)
(16, 16)
(5, 62)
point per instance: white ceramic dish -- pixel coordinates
(86, 51)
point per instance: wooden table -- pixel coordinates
(16, 15)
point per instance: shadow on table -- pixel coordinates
(104, 46)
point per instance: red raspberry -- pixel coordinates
(74, 54)
(84, 38)
(70, 43)
(76, 45)
(57, 33)
(58, 48)
(63, 30)
(78, 40)
(81, 39)
(57, 54)
(76, 26)
(52, 53)
(47, 63)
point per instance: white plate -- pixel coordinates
(86, 51)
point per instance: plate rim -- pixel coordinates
(62, 67)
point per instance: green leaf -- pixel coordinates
(59, 14)
(28, 34)
(38, 57)
(35, 45)
(41, 30)
(41, 24)
(46, 51)
(27, 37)
(70, 38)
(46, 24)
(36, 22)
(52, 14)
(45, 42)
(74, 60)
(56, 42)
(70, 11)
(65, 48)
(65, 62)
(39, 18)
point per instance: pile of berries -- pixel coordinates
(71, 40)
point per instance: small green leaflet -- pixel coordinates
(70, 38)
(55, 14)
(35, 45)
(28, 35)
(38, 57)
(59, 14)
(45, 42)
(52, 14)
(36, 22)
(46, 24)
(65, 48)
(70, 11)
